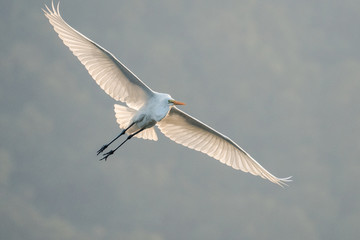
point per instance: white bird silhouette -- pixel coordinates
(147, 108)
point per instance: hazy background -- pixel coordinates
(281, 78)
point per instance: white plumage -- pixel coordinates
(147, 108)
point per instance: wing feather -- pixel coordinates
(108, 72)
(190, 132)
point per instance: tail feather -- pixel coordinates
(124, 115)
(148, 134)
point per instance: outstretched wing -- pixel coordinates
(190, 132)
(111, 75)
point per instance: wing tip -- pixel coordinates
(282, 182)
(54, 11)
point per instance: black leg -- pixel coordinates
(106, 155)
(106, 145)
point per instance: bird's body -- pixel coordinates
(155, 109)
(146, 108)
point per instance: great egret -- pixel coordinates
(147, 108)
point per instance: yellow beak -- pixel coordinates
(177, 102)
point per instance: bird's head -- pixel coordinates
(166, 100)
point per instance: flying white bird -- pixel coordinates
(147, 108)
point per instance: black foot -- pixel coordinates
(106, 155)
(102, 149)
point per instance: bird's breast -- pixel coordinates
(151, 113)
(148, 119)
